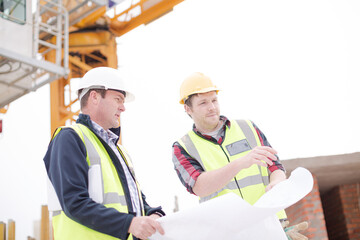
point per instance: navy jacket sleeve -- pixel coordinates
(150, 210)
(67, 169)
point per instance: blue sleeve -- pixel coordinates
(150, 210)
(67, 168)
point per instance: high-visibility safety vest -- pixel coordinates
(241, 137)
(104, 188)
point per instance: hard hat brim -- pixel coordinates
(130, 97)
(205, 90)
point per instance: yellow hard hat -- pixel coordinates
(196, 83)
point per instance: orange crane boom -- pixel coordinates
(70, 37)
(92, 44)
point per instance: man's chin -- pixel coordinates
(213, 123)
(214, 119)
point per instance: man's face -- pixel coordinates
(205, 111)
(109, 109)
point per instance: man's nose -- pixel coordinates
(122, 107)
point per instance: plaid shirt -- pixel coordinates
(188, 169)
(111, 139)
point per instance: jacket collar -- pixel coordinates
(85, 119)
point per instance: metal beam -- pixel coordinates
(150, 11)
(45, 65)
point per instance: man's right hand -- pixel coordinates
(209, 182)
(258, 155)
(144, 227)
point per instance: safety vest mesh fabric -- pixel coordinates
(240, 138)
(112, 191)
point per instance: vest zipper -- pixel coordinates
(227, 157)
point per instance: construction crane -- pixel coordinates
(61, 41)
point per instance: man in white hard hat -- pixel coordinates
(96, 192)
(219, 155)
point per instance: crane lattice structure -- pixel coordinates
(70, 38)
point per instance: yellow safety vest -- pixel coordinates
(111, 193)
(241, 137)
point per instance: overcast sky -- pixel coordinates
(292, 67)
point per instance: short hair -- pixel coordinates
(85, 98)
(188, 101)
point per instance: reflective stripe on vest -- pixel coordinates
(250, 137)
(96, 183)
(252, 141)
(104, 187)
(240, 138)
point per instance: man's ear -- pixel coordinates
(93, 97)
(187, 109)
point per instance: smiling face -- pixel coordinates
(205, 111)
(108, 109)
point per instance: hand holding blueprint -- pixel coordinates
(230, 217)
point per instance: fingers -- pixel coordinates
(260, 155)
(144, 227)
(268, 187)
(262, 161)
(284, 224)
(263, 153)
(266, 148)
(266, 152)
(301, 226)
(159, 228)
(293, 233)
(296, 236)
(154, 216)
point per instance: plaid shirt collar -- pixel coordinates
(210, 138)
(107, 135)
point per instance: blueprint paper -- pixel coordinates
(230, 217)
(288, 192)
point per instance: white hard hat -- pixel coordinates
(103, 78)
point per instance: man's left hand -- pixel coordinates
(272, 184)
(292, 232)
(154, 216)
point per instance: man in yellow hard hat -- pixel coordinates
(219, 155)
(95, 194)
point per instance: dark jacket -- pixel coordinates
(67, 168)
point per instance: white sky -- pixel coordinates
(292, 67)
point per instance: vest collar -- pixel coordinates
(85, 120)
